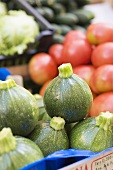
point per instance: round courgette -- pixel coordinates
(93, 133)
(68, 96)
(16, 152)
(50, 136)
(18, 108)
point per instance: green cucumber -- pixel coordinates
(46, 12)
(68, 96)
(65, 29)
(58, 8)
(50, 136)
(66, 19)
(79, 27)
(58, 38)
(84, 16)
(45, 2)
(56, 28)
(83, 2)
(61, 29)
(93, 133)
(64, 2)
(71, 5)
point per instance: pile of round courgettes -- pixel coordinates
(64, 15)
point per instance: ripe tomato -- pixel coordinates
(74, 35)
(77, 52)
(55, 51)
(102, 54)
(98, 33)
(42, 68)
(103, 102)
(85, 72)
(102, 79)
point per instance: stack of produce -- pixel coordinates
(67, 101)
(91, 56)
(18, 117)
(64, 15)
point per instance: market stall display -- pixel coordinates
(64, 105)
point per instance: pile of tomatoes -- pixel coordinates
(91, 56)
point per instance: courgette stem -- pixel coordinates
(7, 84)
(104, 120)
(7, 141)
(65, 70)
(57, 123)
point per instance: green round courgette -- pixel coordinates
(18, 108)
(50, 136)
(17, 152)
(68, 96)
(93, 133)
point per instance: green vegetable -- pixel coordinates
(46, 12)
(17, 30)
(64, 2)
(94, 133)
(56, 28)
(66, 19)
(61, 29)
(18, 108)
(83, 2)
(65, 29)
(68, 96)
(41, 2)
(84, 16)
(45, 2)
(58, 38)
(3, 8)
(58, 8)
(72, 5)
(79, 27)
(41, 109)
(50, 136)
(68, 127)
(16, 152)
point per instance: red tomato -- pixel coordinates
(42, 68)
(56, 52)
(77, 52)
(102, 79)
(85, 72)
(102, 54)
(98, 33)
(43, 88)
(74, 35)
(102, 103)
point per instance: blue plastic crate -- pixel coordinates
(59, 159)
